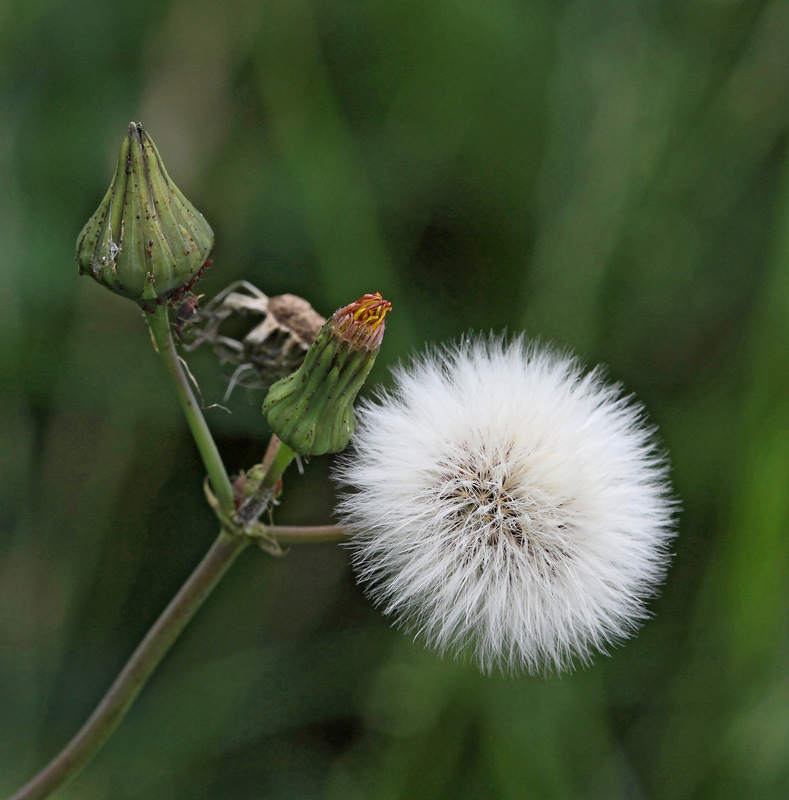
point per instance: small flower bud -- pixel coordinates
(146, 239)
(312, 409)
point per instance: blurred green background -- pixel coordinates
(609, 175)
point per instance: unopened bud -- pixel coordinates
(312, 409)
(146, 240)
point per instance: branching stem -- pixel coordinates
(115, 704)
(113, 707)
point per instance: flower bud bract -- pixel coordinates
(311, 410)
(145, 239)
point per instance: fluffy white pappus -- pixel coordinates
(507, 505)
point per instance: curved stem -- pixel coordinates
(159, 324)
(308, 534)
(113, 707)
(115, 704)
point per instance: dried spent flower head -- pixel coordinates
(507, 506)
(311, 410)
(265, 338)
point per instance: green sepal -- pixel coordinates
(311, 410)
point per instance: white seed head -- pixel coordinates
(507, 506)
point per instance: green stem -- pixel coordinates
(277, 459)
(113, 707)
(116, 703)
(308, 534)
(279, 463)
(159, 324)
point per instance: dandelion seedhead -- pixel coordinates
(507, 506)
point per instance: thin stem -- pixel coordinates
(271, 451)
(308, 534)
(278, 457)
(159, 324)
(113, 707)
(115, 704)
(280, 460)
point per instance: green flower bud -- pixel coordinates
(312, 409)
(146, 240)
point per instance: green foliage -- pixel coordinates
(609, 176)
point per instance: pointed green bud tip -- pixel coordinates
(146, 240)
(311, 410)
